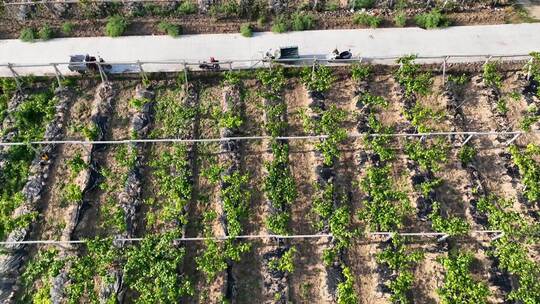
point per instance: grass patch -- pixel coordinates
(67, 28)
(187, 8)
(28, 34)
(431, 20)
(367, 20)
(280, 24)
(246, 30)
(116, 26)
(46, 32)
(302, 21)
(359, 4)
(170, 29)
(400, 19)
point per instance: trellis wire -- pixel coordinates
(259, 236)
(243, 138)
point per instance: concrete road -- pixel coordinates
(463, 40)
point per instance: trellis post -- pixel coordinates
(498, 236)
(185, 76)
(467, 140)
(58, 75)
(143, 74)
(313, 68)
(444, 70)
(529, 68)
(101, 72)
(513, 139)
(443, 238)
(15, 75)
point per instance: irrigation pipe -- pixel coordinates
(257, 236)
(246, 138)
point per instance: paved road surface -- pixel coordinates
(463, 40)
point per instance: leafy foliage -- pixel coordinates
(173, 174)
(44, 265)
(459, 286)
(286, 262)
(302, 21)
(400, 19)
(409, 77)
(432, 19)
(466, 154)
(451, 225)
(67, 28)
(379, 144)
(45, 32)
(400, 260)
(319, 79)
(529, 170)
(280, 188)
(367, 20)
(360, 72)
(152, 268)
(170, 29)
(420, 116)
(345, 290)
(30, 119)
(28, 34)
(246, 30)
(386, 207)
(490, 74)
(534, 67)
(116, 26)
(510, 249)
(430, 156)
(329, 124)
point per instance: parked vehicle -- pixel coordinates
(337, 55)
(85, 63)
(212, 65)
(284, 54)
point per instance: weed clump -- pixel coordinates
(116, 26)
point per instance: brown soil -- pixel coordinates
(306, 283)
(203, 24)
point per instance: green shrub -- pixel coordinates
(262, 20)
(367, 20)
(431, 20)
(280, 25)
(332, 6)
(246, 30)
(170, 29)
(358, 4)
(466, 154)
(46, 32)
(400, 19)
(360, 72)
(116, 26)
(302, 21)
(67, 28)
(187, 8)
(28, 34)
